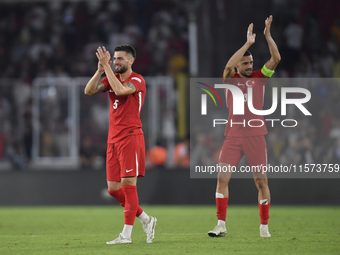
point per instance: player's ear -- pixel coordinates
(131, 61)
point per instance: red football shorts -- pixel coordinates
(125, 158)
(253, 147)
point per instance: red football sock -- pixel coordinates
(222, 204)
(131, 203)
(264, 213)
(120, 197)
(139, 211)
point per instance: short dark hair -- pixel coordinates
(247, 53)
(127, 48)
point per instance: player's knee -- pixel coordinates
(261, 183)
(223, 181)
(113, 186)
(131, 181)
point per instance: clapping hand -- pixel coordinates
(267, 23)
(250, 35)
(103, 58)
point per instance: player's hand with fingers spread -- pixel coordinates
(103, 56)
(250, 35)
(267, 23)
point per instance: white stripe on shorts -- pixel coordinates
(136, 165)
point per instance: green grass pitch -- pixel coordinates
(180, 230)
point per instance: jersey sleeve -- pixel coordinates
(139, 83)
(105, 81)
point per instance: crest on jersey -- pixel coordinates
(250, 83)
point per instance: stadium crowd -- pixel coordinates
(58, 39)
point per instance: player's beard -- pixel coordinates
(122, 69)
(245, 74)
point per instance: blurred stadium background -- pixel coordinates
(53, 137)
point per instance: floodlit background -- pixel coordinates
(47, 56)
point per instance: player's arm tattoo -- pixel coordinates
(100, 88)
(131, 86)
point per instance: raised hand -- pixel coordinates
(250, 35)
(267, 23)
(104, 58)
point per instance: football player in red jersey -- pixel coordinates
(125, 160)
(246, 140)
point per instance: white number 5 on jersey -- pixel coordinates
(115, 104)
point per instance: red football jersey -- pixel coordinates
(238, 125)
(125, 110)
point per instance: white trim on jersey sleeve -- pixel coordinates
(137, 79)
(140, 100)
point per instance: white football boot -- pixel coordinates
(149, 229)
(264, 231)
(218, 231)
(120, 239)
